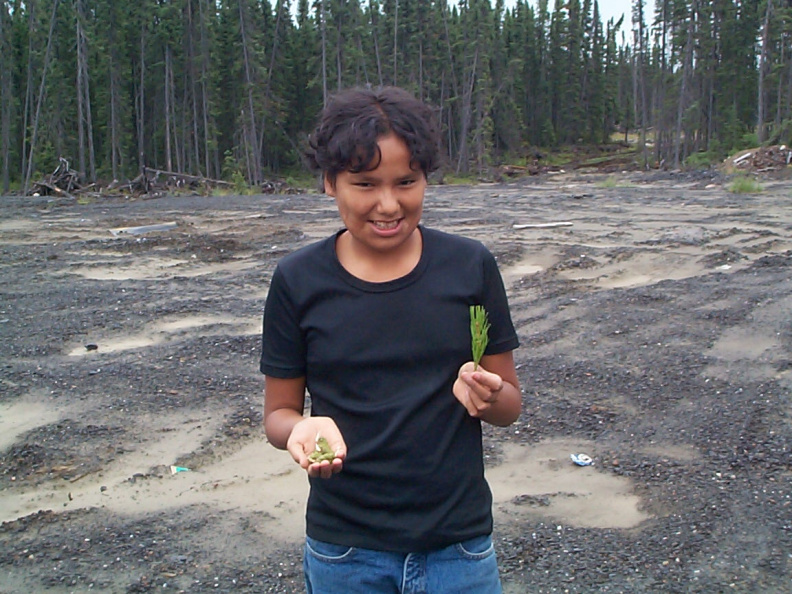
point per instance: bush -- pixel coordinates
(747, 140)
(701, 160)
(743, 184)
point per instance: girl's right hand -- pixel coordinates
(302, 442)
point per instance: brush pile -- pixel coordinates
(64, 181)
(763, 159)
(150, 183)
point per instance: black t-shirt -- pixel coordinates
(380, 359)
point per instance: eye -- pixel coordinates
(408, 182)
(362, 184)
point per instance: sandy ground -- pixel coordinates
(657, 339)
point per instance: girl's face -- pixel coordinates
(381, 208)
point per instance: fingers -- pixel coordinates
(482, 384)
(325, 469)
(303, 440)
(477, 390)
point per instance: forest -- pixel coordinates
(229, 89)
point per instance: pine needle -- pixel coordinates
(479, 332)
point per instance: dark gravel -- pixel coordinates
(639, 370)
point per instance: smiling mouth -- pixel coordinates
(385, 225)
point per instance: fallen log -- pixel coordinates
(512, 170)
(43, 188)
(139, 230)
(742, 158)
(542, 225)
(533, 169)
(182, 179)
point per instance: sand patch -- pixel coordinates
(541, 482)
(21, 416)
(255, 478)
(743, 343)
(528, 266)
(169, 330)
(538, 482)
(159, 268)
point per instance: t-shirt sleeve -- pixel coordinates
(283, 342)
(502, 335)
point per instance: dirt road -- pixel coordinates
(656, 338)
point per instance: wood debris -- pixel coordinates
(158, 181)
(766, 158)
(64, 181)
(150, 183)
(144, 228)
(521, 170)
(542, 225)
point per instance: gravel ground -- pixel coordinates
(656, 336)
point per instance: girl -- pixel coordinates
(374, 323)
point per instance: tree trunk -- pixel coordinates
(6, 97)
(661, 89)
(760, 92)
(80, 96)
(639, 77)
(780, 88)
(116, 152)
(268, 102)
(84, 119)
(339, 50)
(44, 68)
(182, 141)
(454, 82)
(362, 58)
(27, 117)
(168, 123)
(251, 136)
(395, 42)
(194, 42)
(140, 100)
(323, 25)
(682, 98)
(421, 68)
(787, 109)
(466, 113)
(374, 30)
(211, 155)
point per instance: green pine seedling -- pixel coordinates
(323, 451)
(479, 332)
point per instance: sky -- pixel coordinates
(613, 9)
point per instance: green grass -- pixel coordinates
(302, 181)
(558, 158)
(469, 179)
(612, 182)
(743, 184)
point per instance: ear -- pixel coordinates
(329, 188)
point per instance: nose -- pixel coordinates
(387, 202)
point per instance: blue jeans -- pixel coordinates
(468, 567)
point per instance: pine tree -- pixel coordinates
(7, 68)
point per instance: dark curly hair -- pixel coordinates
(346, 137)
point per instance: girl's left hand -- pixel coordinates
(477, 390)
